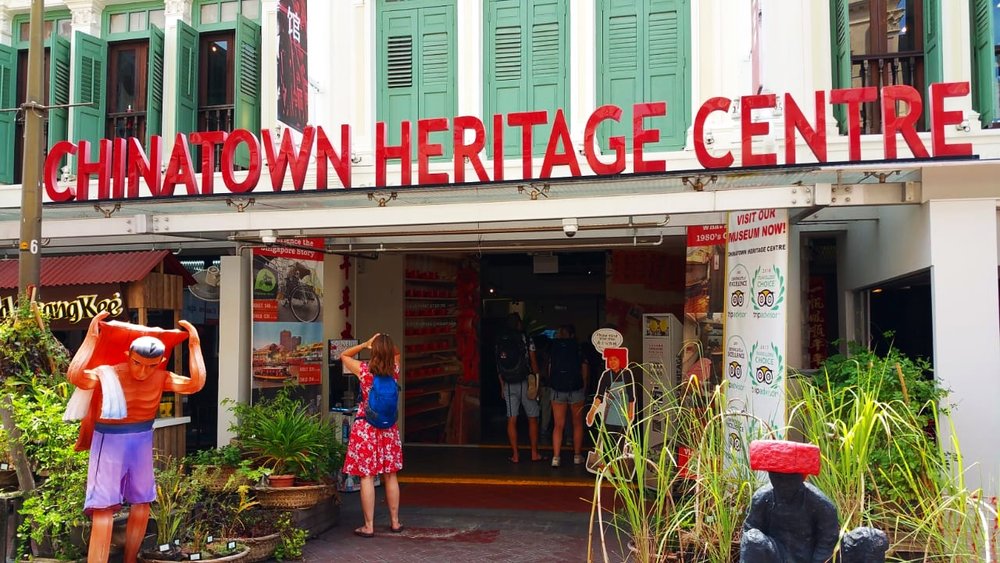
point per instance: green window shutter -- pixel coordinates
(90, 73)
(932, 44)
(506, 82)
(397, 94)
(186, 103)
(8, 66)
(154, 84)
(666, 74)
(436, 70)
(547, 64)
(247, 97)
(59, 73)
(984, 86)
(840, 53)
(619, 59)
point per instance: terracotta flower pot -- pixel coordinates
(277, 481)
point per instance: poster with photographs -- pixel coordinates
(756, 323)
(704, 289)
(287, 314)
(293, 64)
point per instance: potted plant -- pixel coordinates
(180, 531)
(241, 518)
(220, 467)
(292, 540)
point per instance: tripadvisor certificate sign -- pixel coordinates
(756, 304)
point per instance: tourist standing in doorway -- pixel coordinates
(517, 366)
(372, 450)
(568, 376)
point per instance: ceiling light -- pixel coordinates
(877, 290)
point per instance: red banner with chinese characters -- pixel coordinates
(816, 307)
(293, 81)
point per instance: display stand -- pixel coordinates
(431, 364)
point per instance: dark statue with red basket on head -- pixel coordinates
(790, 520)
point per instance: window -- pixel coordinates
(884, 43)
(527, 63)
(127, 89)
(217, 14)
(643, 53)
(218, 75)
(416, 65)
(985, 33)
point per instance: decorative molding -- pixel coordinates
(180, 9)
(6, 29)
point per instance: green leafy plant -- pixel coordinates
(226, 456)
(177, 496)
(293, 540)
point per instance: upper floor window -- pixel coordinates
(416, 65)
(880, 43)
(643, 49)
(224, 12)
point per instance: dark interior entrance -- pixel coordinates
(548, 290)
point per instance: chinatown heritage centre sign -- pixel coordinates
(122, 164)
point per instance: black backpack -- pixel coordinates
(512, 357)
(564, 365)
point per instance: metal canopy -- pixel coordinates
(626, 209)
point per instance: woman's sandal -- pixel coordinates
(398, 530)
(360, 532)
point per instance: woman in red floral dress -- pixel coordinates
(372, 451)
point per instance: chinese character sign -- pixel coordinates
(293, 73)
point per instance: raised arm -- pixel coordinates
(196, 366)
(76, 373)
(353, 364)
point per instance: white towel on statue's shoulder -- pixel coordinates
(113, 406)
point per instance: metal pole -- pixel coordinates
(29, 259)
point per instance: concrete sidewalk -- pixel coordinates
(454, 525)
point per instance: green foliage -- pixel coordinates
(55, 508)
(904, 386)
(177, 496)
(226, 456)
(282, 436)
(293, 539)
(28, 349)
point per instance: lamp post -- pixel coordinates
(29, 257)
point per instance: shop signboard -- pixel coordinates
(756, 327)
(287, 314)
(293, 81)
(71, 307)
(128, 169)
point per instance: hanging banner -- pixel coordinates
(293, 75)
(704, 281)
(756, 323)
(287, 314)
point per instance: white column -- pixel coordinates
(966, 330)
(365, 90)
(234, 339)
(334, 318)
(469, 40)
(582, 67)
(173, 11)
(6, 29)
(269, 62)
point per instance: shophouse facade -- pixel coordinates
(192, 67)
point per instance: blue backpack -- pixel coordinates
(383, 402)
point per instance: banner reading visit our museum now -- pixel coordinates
(756, 323)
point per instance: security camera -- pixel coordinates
(570, 227)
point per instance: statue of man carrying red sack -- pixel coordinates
(117, 401)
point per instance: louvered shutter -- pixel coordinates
(505, 88)
(8, 84)
(620, 68)
(436, 71)
(186, 116)
(398, 82)
(90, 73)
(840, 52)
(547, 64)
(59, 72)
(247, 97)
(932, 44)
(154, 84)
(984, 83)
(665, 70)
